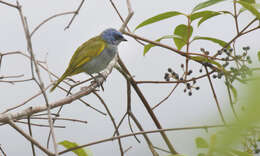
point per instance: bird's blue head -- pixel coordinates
(112, 36)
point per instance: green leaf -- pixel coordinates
(249, 1)
(239, 153)
(255, 5)
(184, 34)
(202, 14)
(234, 92)
(149, 46)
(79, 152)
(250, 8)
(201, 154)
(214, 40)
(207, 17)
(205, 4)
(157, 18)
(201, 143)
(258, 55)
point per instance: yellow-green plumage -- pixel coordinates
(82, 55)
(94, 55)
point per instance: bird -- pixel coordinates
(94, 55)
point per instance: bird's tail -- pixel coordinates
(59, 81)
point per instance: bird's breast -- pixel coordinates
(101, 61)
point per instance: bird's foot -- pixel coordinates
(98, 81)
(101, 75)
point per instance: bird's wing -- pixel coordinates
(85, 53)
(82, 55)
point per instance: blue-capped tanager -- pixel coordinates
(94, 55)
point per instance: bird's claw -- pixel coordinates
(99, 83)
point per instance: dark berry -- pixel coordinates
(197, 88)
(176, 76)
(214, 76)
(170, 70)
(219, 52)
(200, 70)
(182, 65)
(189, 72)
(202, 49)
(190, 93)
(188, 85)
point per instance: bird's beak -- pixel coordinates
(123, 39)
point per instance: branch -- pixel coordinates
(147, 106)
(139, 133)
(9, 4)
(215, 97)
(29, 138)
(34, 63)
(48, 19)
(75, 14)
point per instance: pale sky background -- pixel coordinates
(178, 111)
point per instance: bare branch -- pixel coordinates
(29, 138)
(26, 101)
(9, 4)
(75, 14)
(139, 133)
(30, 132)
(215, 97)
(164, 99)
(1, 149)
(113, 121)
(48, 19)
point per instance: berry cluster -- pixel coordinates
(238, 70)
(170, 74)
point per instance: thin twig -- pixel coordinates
(113, 121)
(139, 133)
(164, 99)
(129, 16)
(147, 106)
(48, 19)
(75, 14)
(26, 101)
(178, 81)
(40, 83)
(39, 125)
(215, 97)
(1, 149)
(29, 138)
(9, 4)
(30, 132)
(235, 15)
(161, 149)
(64, 119)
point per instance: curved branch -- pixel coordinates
(48, 19)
